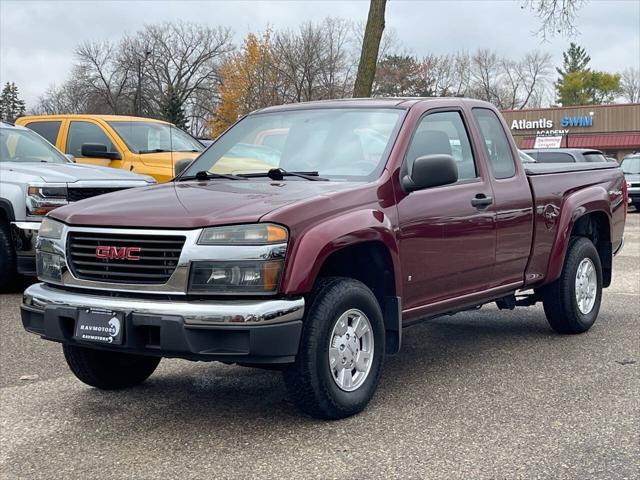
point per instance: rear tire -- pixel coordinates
(341, 350)
(8, 272)
(572, 302)
(109, 370)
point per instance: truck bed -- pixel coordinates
(555, 187)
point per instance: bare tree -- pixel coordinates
(184, 58)
(630, 83)
(556, 16)
(102, 74)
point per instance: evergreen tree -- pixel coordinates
(575, 63)
(11, 106)
(575, 59)
(173, 111)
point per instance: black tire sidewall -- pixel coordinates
(581, 249)
(8, 271)
(353, 298)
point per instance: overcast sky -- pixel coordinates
(37, 38)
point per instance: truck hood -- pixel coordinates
(193, 204)
(69, 172)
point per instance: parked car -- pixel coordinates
(35, 178)
(316, 265)
(141, 145)
(566, 155)
(631, 170)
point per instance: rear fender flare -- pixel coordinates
(583, 202)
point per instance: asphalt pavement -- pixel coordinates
(483, 394)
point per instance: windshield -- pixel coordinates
(338, 143)
(17, 145)
(149, 137)
(631, 165)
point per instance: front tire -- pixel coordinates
(109, 370)
(341, 351)
(8, 272)
(572, 302)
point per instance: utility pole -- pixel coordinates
(138, 103)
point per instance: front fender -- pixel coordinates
(311, 248)
(588, 200)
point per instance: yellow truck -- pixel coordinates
(142, 145)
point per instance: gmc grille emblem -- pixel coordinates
(106, 252)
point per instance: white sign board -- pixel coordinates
(548, 142)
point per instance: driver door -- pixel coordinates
(447, 242)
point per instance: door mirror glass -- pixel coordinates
(430, 171)
(98, 150)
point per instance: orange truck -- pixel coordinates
(142, 145)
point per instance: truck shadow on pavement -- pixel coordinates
(182, 394)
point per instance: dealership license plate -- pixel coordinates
(99, 326)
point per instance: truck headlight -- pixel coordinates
(256, 277)
(49, 266)
(50, 228)
(41, 199)
(252, 234)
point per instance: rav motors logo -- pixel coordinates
(106, 252)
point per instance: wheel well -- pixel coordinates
(368, 262)
(371, 264)
(595, 227)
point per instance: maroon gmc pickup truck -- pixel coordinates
(307, 236)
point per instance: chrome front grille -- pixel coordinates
(103, 257)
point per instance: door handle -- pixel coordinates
(481, 200)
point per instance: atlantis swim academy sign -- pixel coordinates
(545, 126)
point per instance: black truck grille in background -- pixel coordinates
(158, 257)
(75, 194)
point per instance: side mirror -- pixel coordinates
(70, 157)
(430, 171)
(181, 165)
(98, 150)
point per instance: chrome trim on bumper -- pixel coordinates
(196, 313)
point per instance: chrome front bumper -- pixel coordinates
(195, 313)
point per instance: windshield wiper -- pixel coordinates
(202, 175)
(153, 150)
(280, 173)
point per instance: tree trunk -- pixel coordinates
(370, 47)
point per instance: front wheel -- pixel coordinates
(8, 273)
(572, 302)
(109, 370)
(341, 350)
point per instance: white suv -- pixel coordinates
(35, 178)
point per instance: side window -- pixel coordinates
(86, 132)
(443, 133)
(47, 130)
(555, 157)
(496, 144)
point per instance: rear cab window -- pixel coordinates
(555, 157)
(594, 157)
(48, 130)
(496, 144)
